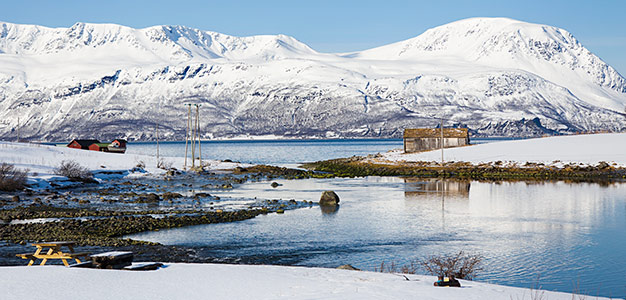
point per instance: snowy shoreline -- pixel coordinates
(221, 281)
(589, 149)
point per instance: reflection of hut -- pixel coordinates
(424, 139)
(420, 186)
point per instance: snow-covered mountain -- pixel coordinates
(490, 74)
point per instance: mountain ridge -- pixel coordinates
(479, 72)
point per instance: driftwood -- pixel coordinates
(112, 260)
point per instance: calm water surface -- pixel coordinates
(275, 152)
(564, 236)
(569, 235)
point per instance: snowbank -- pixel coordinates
(586, 149)
(215, 281)
(41, 160)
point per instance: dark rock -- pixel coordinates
(329, 198)
(202, 195)
(148, 198)
(275, 184)
(348, 267)
(169, 195)
(15, 198)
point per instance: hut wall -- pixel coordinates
(425, 144)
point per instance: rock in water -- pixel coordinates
(329, 198)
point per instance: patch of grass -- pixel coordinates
(107, 231)
(361, 167)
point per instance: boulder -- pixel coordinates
(329, 198)
(169, 195)
(148, 198)
(15, 198)
(348, 267)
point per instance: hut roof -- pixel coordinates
(85, 143)
(435, 133)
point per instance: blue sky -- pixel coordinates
(338, 26)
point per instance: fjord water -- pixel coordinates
(275, 152)
(561, 236)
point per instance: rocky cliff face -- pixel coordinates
(492, 75)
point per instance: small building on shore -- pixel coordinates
(425, 139)
(82, 144)
(104, 147)
(117, 146)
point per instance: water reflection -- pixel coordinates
(415, 187)
(329, 210)
(568, 233)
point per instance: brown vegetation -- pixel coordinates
(12, 179)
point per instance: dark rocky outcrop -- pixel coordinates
(329, 198)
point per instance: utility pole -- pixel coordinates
(198, 134)
(156, 123)
(187, 133)
(441, 141)
(193, 143)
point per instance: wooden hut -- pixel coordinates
(82, 144)
(424, 139)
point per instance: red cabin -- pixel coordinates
(99, 147)
(82, 144)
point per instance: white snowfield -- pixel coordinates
(558, 150)
(41, 160)
(220, 281)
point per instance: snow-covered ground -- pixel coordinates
(586, 149)
(218, 281)
(41, 160)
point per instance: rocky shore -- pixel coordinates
(97, 216)
(358, 166)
